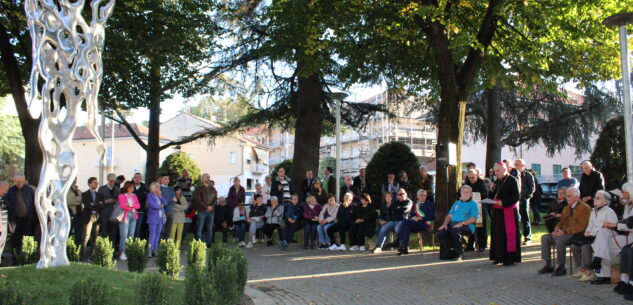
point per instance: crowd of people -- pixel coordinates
(502, 197)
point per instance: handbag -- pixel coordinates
(117, 215)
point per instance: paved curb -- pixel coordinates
(258, 297)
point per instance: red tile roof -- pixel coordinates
(120, 131)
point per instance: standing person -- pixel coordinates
(391, 186)
(364, 226)
(311, 213)
(4, 217)
(418, 220)
(348, 188)
(327, 218)
(130, 204)
(486, 180)
(282, 187)
(73, 200)
(590, 182)
(21, 198)
(292, 220)
(155, 216)
(259, 190)
(141, 191)
(120, 179)
(240, 214)
(178, 216)
(460, 221)
(404, 182)
(527, 191)
(535, 203)
(255, 219)
(491, 175)
(329, 181)
(92, 201)
(110, 193)
(268, 183)
(306, 185)
(319, 193)
(206, 197)
(567, 181)
(345, 218)
(274, 214)
(361, 182)
(222, 218)
(505, 242)
(427, 183)
(237, 194)
(185, 182)
(477, 186)
(170, 196)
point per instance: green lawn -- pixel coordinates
(53, 285)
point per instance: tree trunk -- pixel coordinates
(307, 129)
(153, 147)
(33, 157)
(493, 132)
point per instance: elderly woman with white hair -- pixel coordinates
(611, 239)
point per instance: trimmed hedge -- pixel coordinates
(30, 252)
(168, 260)
(104, 253)
(197, 254)
(73, 251)
(153, 290)
(136, 251)
(90, 291)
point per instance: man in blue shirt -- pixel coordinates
(460, 221)
(567, 181)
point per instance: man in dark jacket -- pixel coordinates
(282, 186)
(306, 185)
(4, 217)
(223, 218)
(329, 182)
(361, 182)
(590, 182)
(110, 194)
(141, 191)
(93, 201)
(391, 186)
(527, 191)
(21, 198)
(292, 219)
(478, 186)
(348, 187)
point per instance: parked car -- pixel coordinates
(549, 194)
(248, 196)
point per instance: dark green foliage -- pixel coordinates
(239, 259)
(30, 252)
(11, 145)
(199, 288)
(218, 251)
(197, 254)
(226, 280)
(168, 260)
(104, 253)
(325, 163)
(175, 163)
(72, 250)
(609, 155)
(153, 290)
(90, 291)
(286, 164)
(14, 293)
(392, 157)
(136, 251)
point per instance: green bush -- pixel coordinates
(168, 260)
(104, 253)
(13, 293)
(73, 251)
(153, 290)
(199, 288)
(197, 254)
(226, 284)
(90, 291)
(609, 155)
(242, 268)
(216, 252)
(136, 252)
(175, 163)
(325, 163)
(30, 252)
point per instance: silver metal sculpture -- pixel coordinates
(66, 73)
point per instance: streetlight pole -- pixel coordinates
(621, 21)
(338, 97)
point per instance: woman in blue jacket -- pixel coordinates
(155, 216)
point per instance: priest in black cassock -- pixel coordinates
(505, 247)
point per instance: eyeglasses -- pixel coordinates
(400, 194)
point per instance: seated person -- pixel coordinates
(392, 214)
(222, 218)
(552, 216)
(364, 226)
(240, 214)
(581, 247)
(327, 218)
(311, 212)
(292, 220)
(460, 221)
(274, 215)
(612, 240)
(418, 220)
(255, 219)
(345, 217)
(573, 220)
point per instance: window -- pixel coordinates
(232, 157)
(558, 169)
(248, 161)
(537, 168)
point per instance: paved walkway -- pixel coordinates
(298, 276)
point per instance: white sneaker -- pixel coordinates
(378, 250)
(249, 245)
(333, 247)
(241, 244)
(253, 239)
(342, 247)
(362, 248)
(123, 257)
(353, 248)
(587, 278)
(577, 274)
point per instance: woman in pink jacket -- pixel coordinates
(129, 203)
